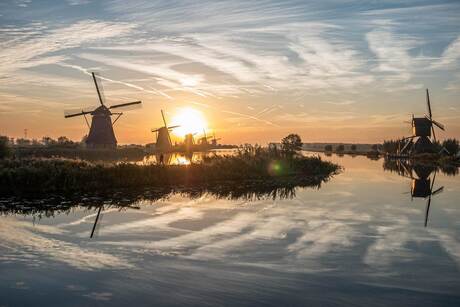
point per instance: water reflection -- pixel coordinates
(422, 176)
(354, 241)
(182, 158)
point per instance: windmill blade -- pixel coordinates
(438, 191)
(428, 103)
(427, 212)
(164, 120)
(156, 130)
(68, 114)
(434, 179)
(438, 124)
(172, 127)
(99, 88)
(95, 221)
(124, 105)
(434, 134)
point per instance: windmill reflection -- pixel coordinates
(98, 218)
(423, 178)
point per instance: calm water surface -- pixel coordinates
(359, 240)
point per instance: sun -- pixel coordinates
(189, 121)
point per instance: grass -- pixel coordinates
(250, 164)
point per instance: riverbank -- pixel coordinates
(55, 175)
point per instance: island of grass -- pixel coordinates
(254, 165)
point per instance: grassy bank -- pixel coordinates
(21, 176)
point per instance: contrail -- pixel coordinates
(137, 87)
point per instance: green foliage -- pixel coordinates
(291, 144)
(5, 149)
(328, 148)
(452, 146)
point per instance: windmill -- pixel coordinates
(214, 140)
(189, 142)
(421, 184)
(101, 130)
(423, 133)
(204, 139)
(163, 139)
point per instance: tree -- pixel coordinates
(375, 147)
(46, 140)
(328, 148)
(353, 147)
(291, 144)
(452, 146)
(5, 149)
(340, 148)
(23, 142)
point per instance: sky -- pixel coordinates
(331, 71)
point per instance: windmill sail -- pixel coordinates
(132, 105)
(99, 88)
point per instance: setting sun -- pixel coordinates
(189, 121)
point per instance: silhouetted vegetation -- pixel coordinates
(328, 148)
(452, 146)
(291, 144)
(340, 148)
(249, 163)
(392, 146)
(353, 147)
(5, 149)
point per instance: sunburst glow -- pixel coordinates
(189, 121)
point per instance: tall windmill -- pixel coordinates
(163, 142)
(423, 132)
(101, 130)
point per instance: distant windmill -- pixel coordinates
(101, 130)
(204, 139)
(163, 142)
(214, 140)
(423, 132)
(189, 142)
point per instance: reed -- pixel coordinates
(53, 175)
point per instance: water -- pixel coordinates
(358, 240)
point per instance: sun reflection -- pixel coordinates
(189, 121)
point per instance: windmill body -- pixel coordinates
(189, 142)
(101, 134)
(163, 138)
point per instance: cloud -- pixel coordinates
(33, 50)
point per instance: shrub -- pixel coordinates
(451, 145)
(340, 148)
(353, 147)
(328, 148)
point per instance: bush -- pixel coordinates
(452, 146)
(328, 148)
(353, 147)
(340, 148)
